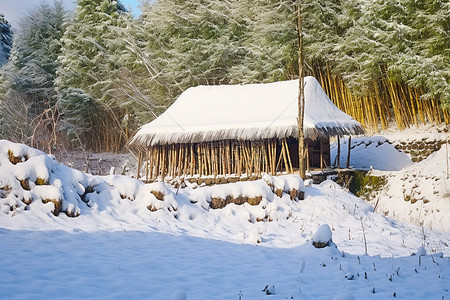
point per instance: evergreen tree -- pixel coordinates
(193, 42)
(28, 78)
(428, 69)
(90, 62)
(5, 39)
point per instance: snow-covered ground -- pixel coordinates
(418, 193)
(122, 242)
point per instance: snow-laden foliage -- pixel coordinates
(193, 42)
(214, 42)
(90, 61)
(5, 39)
(28, 78)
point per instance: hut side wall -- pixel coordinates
(226, 157)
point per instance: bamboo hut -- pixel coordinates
(240, 129)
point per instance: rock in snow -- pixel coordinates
(269, 289)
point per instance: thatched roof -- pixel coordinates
(246, 112)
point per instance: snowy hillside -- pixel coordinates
(417, 193)
(117, 237)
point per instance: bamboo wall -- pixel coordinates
(224, 158)
(387, 101)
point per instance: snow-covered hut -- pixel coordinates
(235, 129)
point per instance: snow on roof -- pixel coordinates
(246, 112)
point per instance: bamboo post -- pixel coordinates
(155, 155)
(229, 157)
(266, 157)
(239, 155)
(146, 164)
(348, 153)
(274, 156)
(186, 160)
(139, 165)
(338, 157)
(291, 169)
(216, 161)
(200, 159)
(283, 156)
(208, 159)
(307, 155)
(180, 159)
(162, 164)
(171, 160)
(205, 159)
(321, 154)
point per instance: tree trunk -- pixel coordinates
(301, 96)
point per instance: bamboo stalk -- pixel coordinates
(150, 153)
(307, 155)
(338, 157)
(239, 157)
(146, 164)
(348, 153)
(291, 169)
(138, 174)
(283, 151)
(321, 153)
(229, 158)
(192, 163)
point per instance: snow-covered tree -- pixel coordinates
(429, 68)
(28, 78)
(92, 46)
(193, 42)
(5, 39)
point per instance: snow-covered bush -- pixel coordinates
(289, 184)
(29, 175)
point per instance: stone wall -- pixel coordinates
(419, 150)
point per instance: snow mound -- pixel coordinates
(418, 194)
(322, 237)
(31, 179)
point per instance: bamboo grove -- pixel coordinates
(387, 101)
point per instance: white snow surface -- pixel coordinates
(374, 152)
(419, 193)
(244, 112)
(117, 248)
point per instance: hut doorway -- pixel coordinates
(319, 156)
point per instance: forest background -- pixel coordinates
(89, 79)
